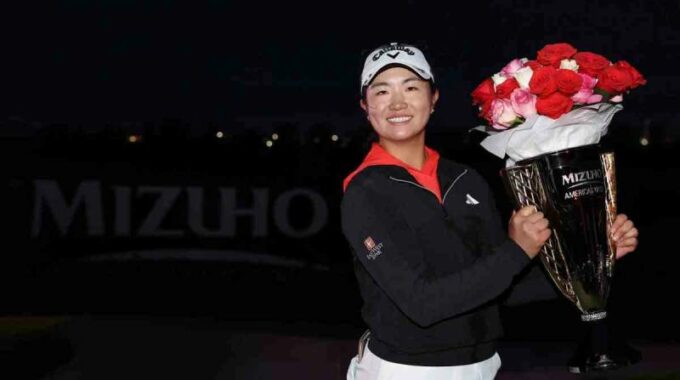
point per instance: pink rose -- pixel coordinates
(595, 98)
(585, 94)
(511, 68)
(588, 82)
(523, 102)
(502, 114)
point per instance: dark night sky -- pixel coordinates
(249, 63)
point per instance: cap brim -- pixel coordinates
(422, 74)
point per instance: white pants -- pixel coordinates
(372, 367)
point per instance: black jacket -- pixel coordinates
(431, 273)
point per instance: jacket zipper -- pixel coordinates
(446, 214)
(453, 183)
(412, 183)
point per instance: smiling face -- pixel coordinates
(399, 104)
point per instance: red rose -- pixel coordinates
(614, 80)
(534, 65)
(590, 63)
(485, 111)
(504, 89)
(638, 79)
(568, 82)
(552, 54)
(483, 93)
(554, 105)
(543, 82)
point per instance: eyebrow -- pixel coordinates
(410, 79)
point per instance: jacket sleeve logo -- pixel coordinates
(374, 250)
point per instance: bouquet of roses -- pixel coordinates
(562, 99)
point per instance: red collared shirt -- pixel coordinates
(426, 177)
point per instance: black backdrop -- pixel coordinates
(79, 78)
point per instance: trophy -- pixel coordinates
(546, 115)
(576, 190)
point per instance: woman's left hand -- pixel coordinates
(625, 235)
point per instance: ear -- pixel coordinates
(363, 105)
(435, 98)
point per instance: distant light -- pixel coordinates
(334, 137)
(269, 143)
(644, 141)
(133, 139)
(275, 136)
(219, 134)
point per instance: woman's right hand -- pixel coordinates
(529, 229)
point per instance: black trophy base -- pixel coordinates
(601, 351)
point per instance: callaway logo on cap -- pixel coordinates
(395, 53)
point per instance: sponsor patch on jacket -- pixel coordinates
(374, 250)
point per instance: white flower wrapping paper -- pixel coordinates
(540, 134)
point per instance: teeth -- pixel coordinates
(400, 119)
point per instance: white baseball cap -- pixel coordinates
(395, 54)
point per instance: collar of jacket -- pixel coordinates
(378, 156)
(448, 173)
